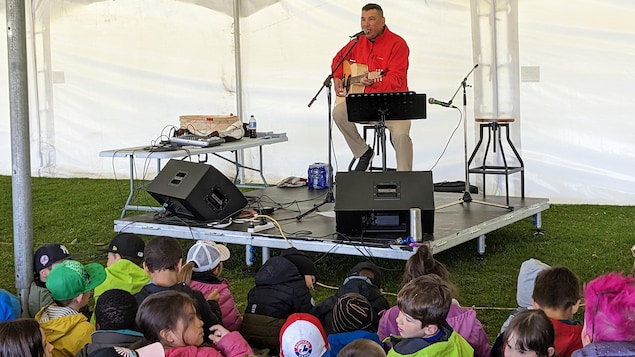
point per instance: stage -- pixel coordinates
(454, 224)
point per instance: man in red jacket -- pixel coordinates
(385, 53)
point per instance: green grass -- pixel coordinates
(589, 239)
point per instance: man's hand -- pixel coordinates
(366, 81)
(338, 85)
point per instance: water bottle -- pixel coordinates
(252, 127)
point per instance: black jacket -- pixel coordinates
(280, 290)
(109, 338)
(209, 310)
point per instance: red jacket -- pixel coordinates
(388, 54)
(568, 337)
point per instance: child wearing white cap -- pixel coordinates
(202, 272)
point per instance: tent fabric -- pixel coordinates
(114, 74)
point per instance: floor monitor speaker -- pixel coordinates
(195, 190)
(374, 203)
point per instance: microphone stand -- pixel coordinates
(467, 197)
(329, 198)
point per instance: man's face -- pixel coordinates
(373, 23)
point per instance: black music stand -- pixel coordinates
(379, 107)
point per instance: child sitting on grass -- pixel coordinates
(44, 259)
(423, 304)
(530, 334)
(70, 284)
(170, 317)
(202, 270)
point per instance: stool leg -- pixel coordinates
(521, 163)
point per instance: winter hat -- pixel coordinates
(49, 254)
(352, 312)
(302, 335)
(70, 279)
(529, 270)
(304, 264)
(127, 245)
(151, 350)
(370, 266)
(206, 255)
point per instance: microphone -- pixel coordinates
(438, 102)
(362, 32)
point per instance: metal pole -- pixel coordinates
(239, 84)
(20, 152)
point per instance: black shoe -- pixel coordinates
(364, 161)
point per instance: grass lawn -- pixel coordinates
(589, 239)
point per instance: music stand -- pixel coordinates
(379, 107)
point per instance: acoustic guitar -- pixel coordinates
(353, 74)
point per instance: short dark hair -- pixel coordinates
(533, 332)
(21, 337)
(556, 288)
(427, 299)
(116, 310)
(162, 253)
(372, 6)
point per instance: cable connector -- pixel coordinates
(261, 227)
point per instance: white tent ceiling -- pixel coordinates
(112, 74)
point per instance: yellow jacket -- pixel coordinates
(67, 334)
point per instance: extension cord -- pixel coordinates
(260, 227)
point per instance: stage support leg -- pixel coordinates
(249, 255)
(538, 223)
(265, 254)
(481, 244)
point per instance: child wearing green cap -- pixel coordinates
(70, 284)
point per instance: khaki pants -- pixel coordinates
(399, 137)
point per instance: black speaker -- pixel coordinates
(197, 191)
(376, 203)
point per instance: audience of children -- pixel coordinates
(364, 279)
(530, 334)
(353, 319)
(9, 306)
(44, 259)
(462, 320)
(609, 317)
(302, 335)
(170, 317)
(115, 322)
(70, 284)
(282, 287)
(423, 304)
(202, 271)
(557, 292)
(162, 261)
(190, 311)
(23, 337)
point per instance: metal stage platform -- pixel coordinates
(454, 225)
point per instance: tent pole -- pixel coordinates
(239, 88)
(20, 150)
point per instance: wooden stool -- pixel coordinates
(377, 148)
(494, 127)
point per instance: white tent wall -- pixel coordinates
(116, 73)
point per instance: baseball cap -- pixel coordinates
(151, 350)
(352, 312)
(303, 335)
(71, 278)
(48, 254)
(127, 245)
(206, 255)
